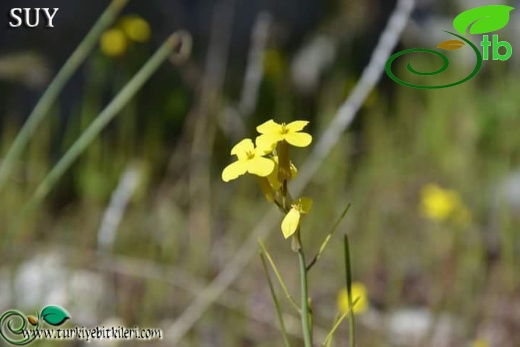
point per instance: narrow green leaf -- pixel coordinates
(327, 238)
(335, 326)
(348, 273)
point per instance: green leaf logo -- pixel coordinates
(54, 315)
(482, 20)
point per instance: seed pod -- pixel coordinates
(284, 163)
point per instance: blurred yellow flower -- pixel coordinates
(480, 342)
(442, 204)
(358, 291)
(136, 28)
(292, 218)
(250, 159)
(272, 132)
(113, 43)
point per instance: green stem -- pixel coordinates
(305, 301)
(328, 238)
(112, 109)
(275, 300)
(56, 86)
(289, 297)
(337, 323)
(348, 274)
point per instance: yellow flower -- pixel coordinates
(292, 218)
(480, 343)
(113, 43)
(136, 28)
(439, 204)
(250, 159)
(358, 291)
(273, 132)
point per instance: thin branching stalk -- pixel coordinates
(112, 109)
(278, 276)
(337, 323)
(328, 238)
(56, 86)
(275, 300)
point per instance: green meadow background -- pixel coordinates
(432, 280)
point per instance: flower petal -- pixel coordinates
(241, 148)
(298, 139)
(234, 170)
(260, 166)
(269, 127)
(290, 222)
(297, 125)
(265, 144)
(268, 140)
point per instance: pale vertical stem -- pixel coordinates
(51, 93)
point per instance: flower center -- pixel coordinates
(284, 129)
(250, 154)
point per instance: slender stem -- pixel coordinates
(328, 238)
(278, 276)
(110, 111)
(51, 93)
(348, 273)
(275, 300)
(351, 322)
(337, 323)
(305, 301)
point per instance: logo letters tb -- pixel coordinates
(495, 44)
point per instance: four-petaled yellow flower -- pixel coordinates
(358, 291)
(292, 218)
(250, 159)
(272, 132)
